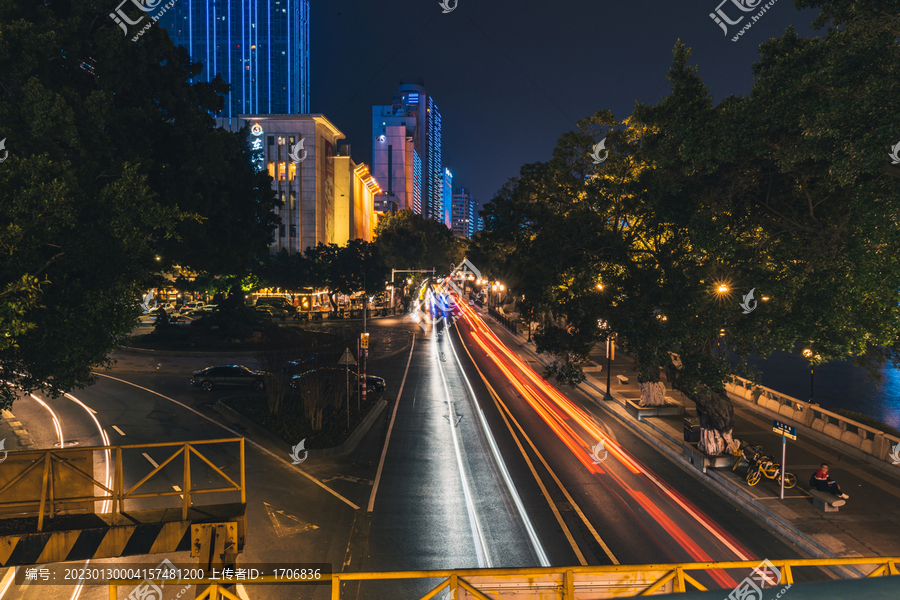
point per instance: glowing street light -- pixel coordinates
(813, 358)
(722, 289)
(599, 286)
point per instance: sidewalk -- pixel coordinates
(868, 525)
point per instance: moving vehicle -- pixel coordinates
(228, 376)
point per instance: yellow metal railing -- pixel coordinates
(560, 582)
(52, 461)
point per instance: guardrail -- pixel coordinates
(502, 319)
(58, 475)
(560, 583)
(872, 442)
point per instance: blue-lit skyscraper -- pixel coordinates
(406, 151)
(260, 47)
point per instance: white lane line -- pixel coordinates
(390, 427)
(498, 459)
(236, 434)
(107, 504)
(152, 462)
(481, 549)
(119, 431)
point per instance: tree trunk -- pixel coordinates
(716, 423)
(653, 393)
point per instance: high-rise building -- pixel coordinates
(324, 196)
(447, 199)
(406, 151)
(464, 217)
(480, 225)
(260, 47)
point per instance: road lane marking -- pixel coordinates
(236, 434)
(498, 460)
(152, 462)
(390, 427)
(120, 432)
(282, 529)
(559, 483)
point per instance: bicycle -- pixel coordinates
(772, 470)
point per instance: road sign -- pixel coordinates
(784, 429)
(347, 358)
(364, 340)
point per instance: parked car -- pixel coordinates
(294, 365)
(373, 382)
(168, 307)
(228, 376)
(279, 306)
(189, 306)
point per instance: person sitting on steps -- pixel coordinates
(824, 483)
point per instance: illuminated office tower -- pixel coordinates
(406, 152)
(464, 219)
(260, 47)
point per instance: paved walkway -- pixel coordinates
(868, 525)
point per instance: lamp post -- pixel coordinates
(808, 354)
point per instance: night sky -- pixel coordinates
(510, 77)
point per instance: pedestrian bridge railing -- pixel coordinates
(556, 583)
(62, 481)
(868, 440)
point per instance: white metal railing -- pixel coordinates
(869, 440)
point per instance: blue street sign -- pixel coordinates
(784, 429)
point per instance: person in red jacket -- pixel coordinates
(823, 482)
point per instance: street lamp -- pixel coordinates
(808, 354)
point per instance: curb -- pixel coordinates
(25, 441)
(348, 446)
(150, 352)
(770, 518)
(245, 353)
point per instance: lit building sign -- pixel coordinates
(256, 129)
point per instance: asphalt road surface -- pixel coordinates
(468, 477)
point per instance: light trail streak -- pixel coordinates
(481, 549)
(507, 362)
(498, 459)
(7, 580)
(59, 432)
(107, 504)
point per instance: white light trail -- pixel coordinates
(107, 504)
(481, 549)
(532, 534)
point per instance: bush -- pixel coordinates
(292, 425)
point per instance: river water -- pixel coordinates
(836, 385)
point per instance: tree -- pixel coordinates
(698, 204)
(116, 172)
(409, 241)
(345, 270)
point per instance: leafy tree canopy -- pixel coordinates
(409, 241)
(786, 191)
(116, 172)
